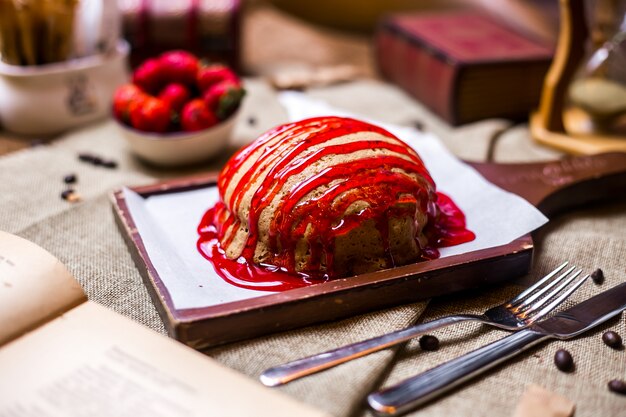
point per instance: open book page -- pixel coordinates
(92, 361)
(34, 287)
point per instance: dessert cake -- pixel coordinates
(324, 198)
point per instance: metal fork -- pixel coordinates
(518, 313)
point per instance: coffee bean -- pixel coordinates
(70, 195)
(109, 164)
(597, 276)
(69, 179)
(85, 157)
(612, 339)
(428, 342)
(97, 161)
(618, 386)
(66, 194)
(563, 360)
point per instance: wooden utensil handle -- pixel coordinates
(558, 185)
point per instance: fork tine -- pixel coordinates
(557, 301)
(521, 297)
(525, 303)
(552, 293)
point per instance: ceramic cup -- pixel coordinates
(49, 99)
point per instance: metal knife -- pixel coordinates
(421, 388)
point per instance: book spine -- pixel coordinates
(420, 71)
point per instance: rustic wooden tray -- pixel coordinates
(551, 186)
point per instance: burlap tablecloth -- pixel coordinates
(86, 239)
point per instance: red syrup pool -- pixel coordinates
(448, 230)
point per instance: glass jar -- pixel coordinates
(597, 94)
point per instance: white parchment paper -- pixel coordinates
(168, 223)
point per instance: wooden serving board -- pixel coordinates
(551, 187)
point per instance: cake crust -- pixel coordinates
(327, 196)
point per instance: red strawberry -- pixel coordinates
(179, 66)
(149, 76)
(150, 115)
(123, 98)
(197, 116)
(213, 74)
(224, 97)
(176, 95)
(213, 94)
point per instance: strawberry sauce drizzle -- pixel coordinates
(381, 181)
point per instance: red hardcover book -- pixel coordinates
(464, 66)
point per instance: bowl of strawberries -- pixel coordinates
(178, 110)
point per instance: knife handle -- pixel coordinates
(427, 385)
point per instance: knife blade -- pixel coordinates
(585, 315)
(572, 322)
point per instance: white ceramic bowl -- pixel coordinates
(180, 148)
(49, 99)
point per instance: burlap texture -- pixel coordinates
(340, 389)
(85, 238)
(589, 238)
(87, 241)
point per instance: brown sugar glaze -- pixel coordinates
(322, 217)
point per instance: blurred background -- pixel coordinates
(464, 60)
